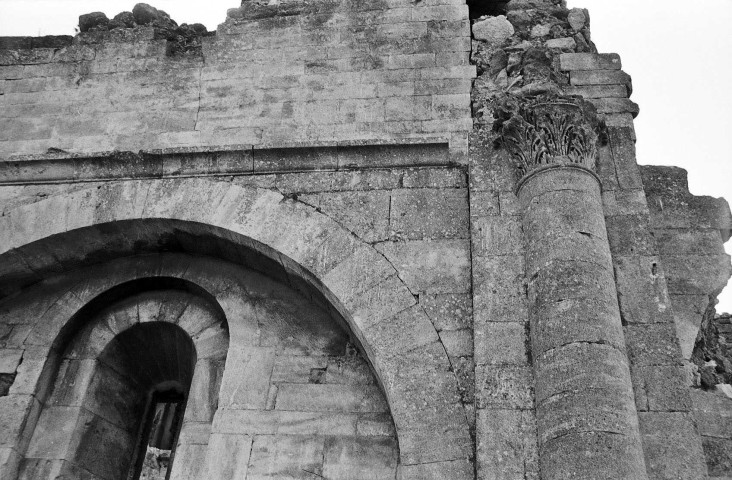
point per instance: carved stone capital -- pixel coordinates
(550, 130)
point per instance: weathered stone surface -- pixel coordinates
(391, 339)
(245, 383)
(577, 19)
(589, 61)
(92, 20)
(429, 214)
(462, 468)
(507, 446)
(493, 30)
(501, 343)
(228, 456)
(440, 266)
(587, 453)
(330, 398)
(504, 387)
(9, 360)
(670, 452)
(145, 14)
(567, 43)
(354, 458)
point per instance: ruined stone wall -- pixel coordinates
(690, 232)
(518, 312)
(332, 71)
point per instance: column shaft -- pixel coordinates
(587, 422)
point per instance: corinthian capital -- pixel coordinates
(549, 130)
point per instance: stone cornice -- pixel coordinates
(549, 130)
(228, 160)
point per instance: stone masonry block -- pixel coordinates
(642, 292)
(269, 422)
(506, 448)
(9, 461)
(718, 454)
(462, 469)
(630, 235)
(696, 274)
(381, 302)
(10, 359)
(664, 388)
(499, 275)
(652, 344)
(599, 77)
(593, 455)
(504, 387)
(713, 413)
(245, 383)
(582, 366)
(418, 214)
(497, 235)
(203, 394)
(330, 397)
(191, 461)
(458, 343)
(228, 456)
(501, 343)
(407, 330)
(274, 456)
(356, 457)
(582, 411)
(15, 410)
(688, 241)
(672, 446)
(443, 178)
(438, 266)
(589, 61)
(375, 425)
(364, 213)
(98, 438)
(448, 311)
(598, 91)
(565, 321)
(296, 368)
(348, 371)
(625, 202)
(615, 106)
(370, 266)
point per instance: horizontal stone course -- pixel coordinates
(263, 80)
(589, 61)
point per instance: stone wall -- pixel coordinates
(271, 76)
(295, 398)
(690, 232)
(410, 288)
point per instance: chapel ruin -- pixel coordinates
(350, 240)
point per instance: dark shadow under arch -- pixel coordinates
(102, 242)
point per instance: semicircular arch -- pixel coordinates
(247, 224)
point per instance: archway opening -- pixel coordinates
(121, 386)
(159, 359)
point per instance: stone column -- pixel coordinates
(586, 417)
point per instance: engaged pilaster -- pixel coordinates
(587, 422)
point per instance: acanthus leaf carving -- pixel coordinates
(549, 129)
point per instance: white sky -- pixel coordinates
(678, 53)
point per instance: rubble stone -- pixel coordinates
(92, 20)
(493, 30)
